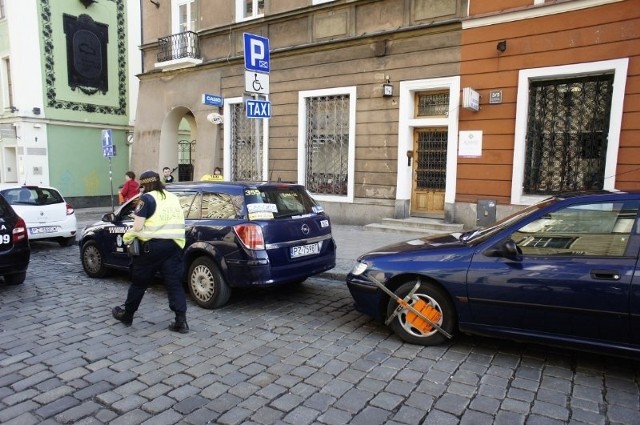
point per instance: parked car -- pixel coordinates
(563, 271)
(44, 209)
(239, 234)
(14, 245)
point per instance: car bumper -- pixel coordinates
(366, 296)
(64, 229)
(15, 261)
(247, 274)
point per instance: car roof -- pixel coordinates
(597, 194)
(200, 185)
(5, 186)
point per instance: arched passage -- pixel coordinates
(179, 125)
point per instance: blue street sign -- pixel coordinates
(107, 140)
(210, 99)
(258, 109)
(256, 53)
(109, 151)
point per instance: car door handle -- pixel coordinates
(605, 274)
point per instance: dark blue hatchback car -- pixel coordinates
(239, 234)
(562, 272)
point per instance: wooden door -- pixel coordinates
(429, 171)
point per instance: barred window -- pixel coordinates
(567, 129)
(246, 145)
(432, 104)
(327, 144)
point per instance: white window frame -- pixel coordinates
(618, 67)
(175, 15)
(240, 11)
(5, 88)
(314, 2)
(302, 139)
(226, 156)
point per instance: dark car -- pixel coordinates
(14, 245)
(561, 272)
(239, 234)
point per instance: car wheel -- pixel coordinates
(437, 299)
(15, 278)
(206, 285)
(66, 241)
(93, 260)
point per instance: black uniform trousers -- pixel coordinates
(162, 255)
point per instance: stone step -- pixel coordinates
(415, 225)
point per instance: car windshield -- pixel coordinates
(482, 233)
(32, 196)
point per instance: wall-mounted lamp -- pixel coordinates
(387, 88)
(36, 111)
(502, 46)
(155, 3)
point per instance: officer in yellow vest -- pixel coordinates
(159, 226)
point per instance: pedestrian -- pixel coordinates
(216, 176)
(168, 178)
(130, 188)
(159, 227)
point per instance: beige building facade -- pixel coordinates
(364, 99)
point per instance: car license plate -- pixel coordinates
(304, 250)
(46, 229)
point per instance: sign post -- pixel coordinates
(109, 151)
(257, 63)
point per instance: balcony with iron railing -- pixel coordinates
(178, 51)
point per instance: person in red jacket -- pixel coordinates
(130, 188)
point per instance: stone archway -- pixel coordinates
(172, 133)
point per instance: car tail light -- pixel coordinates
(250, 235)
(19, 231)
(69, 209)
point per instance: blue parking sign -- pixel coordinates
(256, 53)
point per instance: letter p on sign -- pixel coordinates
(256, 53)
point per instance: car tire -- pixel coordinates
(66, 241)
(206, 284)
(15, 278)
(93, 260)
(434, 296)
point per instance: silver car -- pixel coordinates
(47, 215)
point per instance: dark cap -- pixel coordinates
(148, 177)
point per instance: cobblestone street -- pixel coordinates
(295, 356)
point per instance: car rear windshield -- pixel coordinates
(32, 196)
(261, 203)
(274, 202)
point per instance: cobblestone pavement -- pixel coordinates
(296, 356)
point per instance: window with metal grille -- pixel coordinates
(432, 104)
(431, 159)
(567, 128)
(246, 145)
(327, 144)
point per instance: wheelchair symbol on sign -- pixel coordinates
(256, 84)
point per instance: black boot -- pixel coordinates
(119, 313)
(180, 324)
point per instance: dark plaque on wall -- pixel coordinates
(86, 53)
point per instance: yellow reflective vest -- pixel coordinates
(167, 222)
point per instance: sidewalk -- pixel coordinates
(351, 241)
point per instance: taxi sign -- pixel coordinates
(258, 109)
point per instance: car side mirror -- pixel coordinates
(508, 249)
(109, 217)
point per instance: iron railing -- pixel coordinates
(178, 46)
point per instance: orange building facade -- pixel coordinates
(557, 86)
